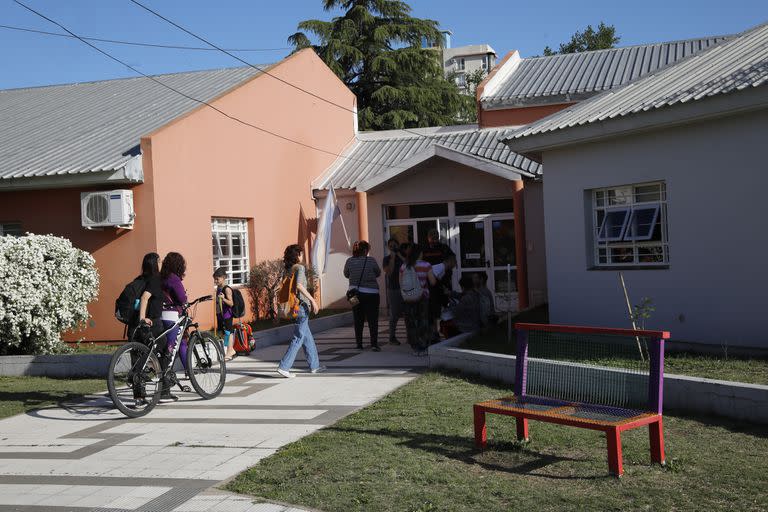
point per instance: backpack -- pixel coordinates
(410, 286)
(238, 304)
(127, 304)
(287, 301)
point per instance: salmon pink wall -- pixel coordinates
(516, 116)
(209, 166)
(117, 253)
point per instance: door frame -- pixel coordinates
(488, 267)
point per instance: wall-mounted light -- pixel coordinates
(350, 206)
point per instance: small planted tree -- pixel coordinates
(47, 285)
(263, 285)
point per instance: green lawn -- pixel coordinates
(735, 368)
(413, 451)
(260, 325)
(21, 394)
(93, 348)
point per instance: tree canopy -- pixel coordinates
(375, 48)
(590, 39)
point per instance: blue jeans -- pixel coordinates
(302, 337)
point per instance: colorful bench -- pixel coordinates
(609, 380)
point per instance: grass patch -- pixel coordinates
(413, 451)
(734, 368)
(21, 394)
(85, 347)
(260, 325)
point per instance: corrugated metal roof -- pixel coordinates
(95, 126)
(377, 152)
(734, 65)
(576, 76)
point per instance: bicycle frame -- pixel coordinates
(186, 321)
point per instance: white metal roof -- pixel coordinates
(95, 126)
(577, 76)
(375, 154)
(737, 64)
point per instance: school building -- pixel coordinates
(232, 192)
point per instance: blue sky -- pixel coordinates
(32, 60)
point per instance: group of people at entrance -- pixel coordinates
(419, 289)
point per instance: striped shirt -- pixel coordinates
(422, 271)
(362, 272)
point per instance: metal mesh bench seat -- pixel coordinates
(609, 380)
(586, 415)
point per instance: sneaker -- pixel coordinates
(167, 396)
(284, 373)
(359, 346)
(419, 352)
(394, 341)
(376, 348)
(319, 369)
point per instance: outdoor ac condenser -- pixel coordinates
(112, 208)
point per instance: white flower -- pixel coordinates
(45, 287)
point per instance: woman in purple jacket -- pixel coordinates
(172, 272)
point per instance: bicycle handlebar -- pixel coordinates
(185, 307)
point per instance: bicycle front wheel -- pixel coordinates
(133, 379)
(205, 365)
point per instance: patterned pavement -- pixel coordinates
(87, 456)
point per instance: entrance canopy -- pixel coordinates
(375, 158)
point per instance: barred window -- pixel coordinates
(230, 248)
(630, 225)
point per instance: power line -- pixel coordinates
(202, 102)
(159, 82)
(239, 59)
(135, 43)
(187, 31)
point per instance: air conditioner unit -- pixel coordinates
(112, 208)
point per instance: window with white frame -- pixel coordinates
(10, 229)
(230, 248)
(460, 64)
(630, 225)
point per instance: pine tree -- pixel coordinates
(375, 47)
(601, 39)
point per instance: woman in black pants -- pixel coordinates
(362, 271)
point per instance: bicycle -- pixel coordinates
(135, 376)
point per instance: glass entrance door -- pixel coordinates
(487, 244)
(402, 232)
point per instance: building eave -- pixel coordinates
(532, 146)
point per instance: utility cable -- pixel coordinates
(135, 43)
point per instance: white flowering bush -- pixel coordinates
(45, 286)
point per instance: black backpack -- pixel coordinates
(238, 303)
(127, 304)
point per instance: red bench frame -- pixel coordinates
(652, 418)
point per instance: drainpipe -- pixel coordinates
(520, 244)
(362, 216)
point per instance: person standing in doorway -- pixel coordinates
(302, 336)
(392, 263)
(416, 277)
(435, 251)
(362, 271)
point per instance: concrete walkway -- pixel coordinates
(87, 456)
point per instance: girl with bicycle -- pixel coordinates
(172, 273)
(150, 314)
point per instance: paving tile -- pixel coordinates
(193, 440)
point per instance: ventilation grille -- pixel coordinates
(97, 208)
